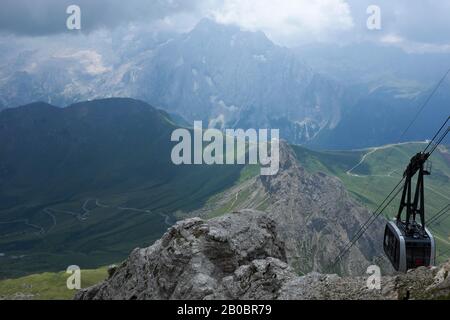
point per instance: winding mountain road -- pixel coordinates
(82, 216)
(372, 151)
(27, 223)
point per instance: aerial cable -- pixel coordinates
(376, 214)
(440, 141)
(443, 253)
(439, 84)
(436, 135)
(368, 223)
(423, 106)
(438, 216)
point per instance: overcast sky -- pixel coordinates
(413, 23)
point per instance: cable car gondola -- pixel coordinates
(407, 243)
(408, 251)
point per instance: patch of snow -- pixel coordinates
(90, 60)
(165, 43)
(222, 104)
(260, 58)
(218, 122)
(233, 41)
(209, 81)
(179, 62)
(310, 127)
(231, 108)
(31, 68)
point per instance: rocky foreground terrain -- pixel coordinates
(242, 256)
(285, 252)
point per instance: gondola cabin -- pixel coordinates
(408, 250)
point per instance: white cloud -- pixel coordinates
(46, 17)
(391, 39)
(413, 46)
(287, 21)
(421, 24)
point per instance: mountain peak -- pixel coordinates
(210, 25)
(207, 27)
(31, 110)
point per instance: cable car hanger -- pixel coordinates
(380, 209)
(407, 243)
(410, 226)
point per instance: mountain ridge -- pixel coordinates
(234, 78)
(216, 73)
(75, 181)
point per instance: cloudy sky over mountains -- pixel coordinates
(419, 24)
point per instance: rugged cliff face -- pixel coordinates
(315, 217)
(198, 259)
(241, 256)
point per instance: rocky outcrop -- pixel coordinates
(316, 218)
(241, 256)
(420, 284)
(194, 259)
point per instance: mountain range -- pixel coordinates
(228, 77)
(218, 74)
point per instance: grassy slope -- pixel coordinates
(52, 285)
(47, 286)
(108, 234)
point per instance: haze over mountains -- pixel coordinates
(233, 78)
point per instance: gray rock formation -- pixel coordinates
(317, 217)
(240, 256)
(420, 284)
(193, 259)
